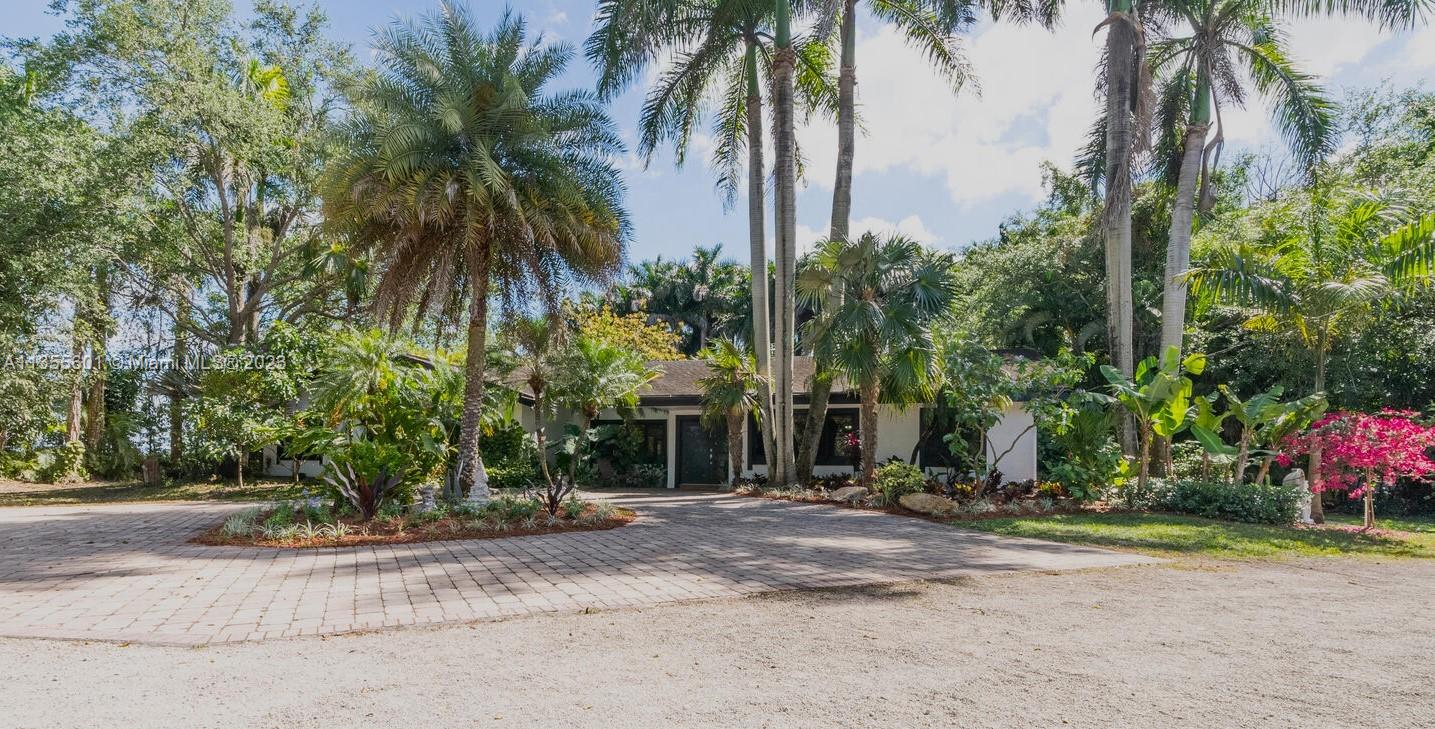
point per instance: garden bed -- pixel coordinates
(286, 527)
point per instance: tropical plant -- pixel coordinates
(879, 336)
(537, 346)
(1367, 451)
(730, 394)
(595, 375)
(1316, 263)
(463, 167)
(1201, 68)
(1158, 398)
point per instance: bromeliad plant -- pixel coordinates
(1364, 452)
(1158, 397)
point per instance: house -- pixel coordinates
(668, 418)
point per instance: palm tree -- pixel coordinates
(879, 337)
(1315, 263)
(537, 346)
(464, 170)
(1202, 73)
(730, 393)
(930, 25)
(594, 375)
(720, 52)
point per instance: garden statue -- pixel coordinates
(427, 501)
(1297, 478)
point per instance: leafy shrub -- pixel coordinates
(896, 479)
(831, 483)
(514, 475)
(509, 508)
(1256, 503)
(573, 508)
(241, 524)
(62, 463)
(639, 476)
(283, 515)
(507, 446)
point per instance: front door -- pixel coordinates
(702, 453)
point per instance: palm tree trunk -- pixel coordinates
(1317, 479)
(176, 398)
(1265, 469)
(469, 458)
(587, 422)
(734, 448)
(99, 331)
(1243, 455)
(783, 64)
(540, 436)
(869, 432)
(821, 389)
(757, 241)
(74, 419)
(1116, 219)
(1183, 213)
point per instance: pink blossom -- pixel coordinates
(1360, 450)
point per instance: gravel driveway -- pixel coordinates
(1313, 644)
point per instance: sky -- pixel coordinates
(941, 168)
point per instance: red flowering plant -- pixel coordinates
(1363, 451)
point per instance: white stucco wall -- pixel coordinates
(1011, 445)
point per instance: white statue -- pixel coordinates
(427, 500)
(1297, 478)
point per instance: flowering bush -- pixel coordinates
(1360, 451)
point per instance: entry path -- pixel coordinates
(126, 572)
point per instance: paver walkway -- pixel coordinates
(125, 572)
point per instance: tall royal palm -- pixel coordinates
(462, 168)
(879, 334)
(1202, 50)
(721, 61)
(1315, 263)
(1203, 60)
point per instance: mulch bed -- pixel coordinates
(393, 531)
(809, 498)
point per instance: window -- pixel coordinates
(830, 448)
(642, 441)
(935, 451)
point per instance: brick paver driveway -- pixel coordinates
(126, 572)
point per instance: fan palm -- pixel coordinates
(1201, 72)
(879, 335)
(463, 169)
(1315, 263)
(730, 393)
(594, 375)
(720, 55)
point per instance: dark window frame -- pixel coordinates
(827, 452)
(647, 425)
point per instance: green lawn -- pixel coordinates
(1177, 536)
(45, 495)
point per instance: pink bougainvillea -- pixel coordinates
(1361, 451)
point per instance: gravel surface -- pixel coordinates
(1331, 643)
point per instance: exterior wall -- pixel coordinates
(1014, 437)
(898, 431)
(308, 467)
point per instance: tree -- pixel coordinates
(1158, 398)
(879, 337)
(537, 346)
(629, 331)
(463, 167)
(1316, 262)
(730, 393)
(224, 131)
(720, 50)
(1202, 71)
(595, 375)
(931, 26)
(1367, 451)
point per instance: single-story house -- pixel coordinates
(669, 409)
(668, 416)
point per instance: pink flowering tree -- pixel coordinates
(1364, 451)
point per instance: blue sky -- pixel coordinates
(943, 169)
